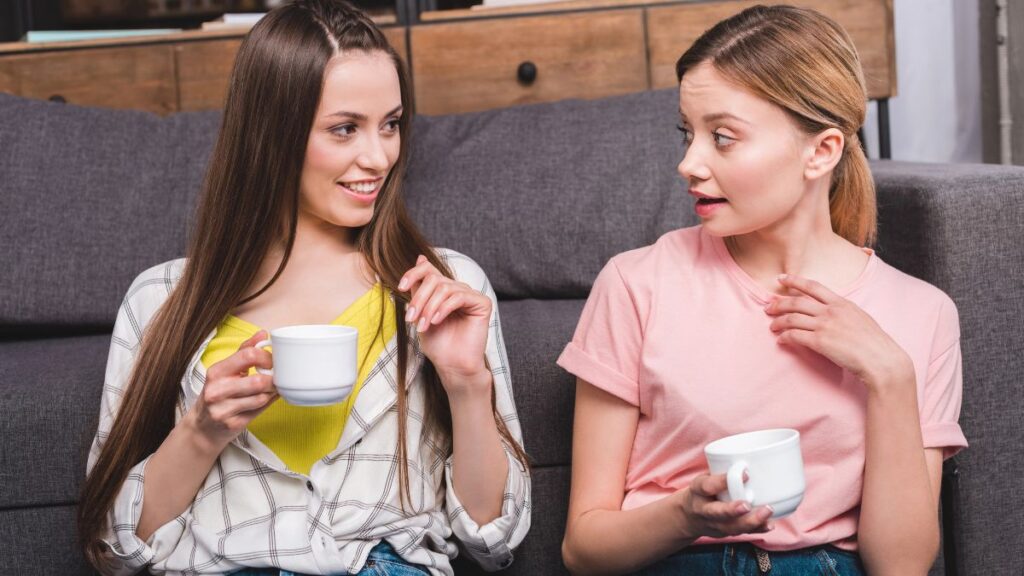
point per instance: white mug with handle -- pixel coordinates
(772, 462)
(314, 364)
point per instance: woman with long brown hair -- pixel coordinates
(772, 314)
(198, 466)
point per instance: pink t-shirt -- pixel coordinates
(679, 330)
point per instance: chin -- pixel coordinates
(353, 217)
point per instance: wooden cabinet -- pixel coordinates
(160, 74)
(139, 77)
(477, 65)
(672, 29)
(203, 72)
(462, 60)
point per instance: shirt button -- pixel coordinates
(309, 485)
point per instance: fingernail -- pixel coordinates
(770, 526)
(436, 318)
(783, 277)
(745, 507)
(770, 510)
(402, 285)
(422, 325)
(410, 313)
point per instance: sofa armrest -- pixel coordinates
(961, 227)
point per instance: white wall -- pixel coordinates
(936, 116)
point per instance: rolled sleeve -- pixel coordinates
(606, 348)
(942, 393)
(127, 553)
(491, 545)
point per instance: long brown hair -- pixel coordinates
(805, 63)
(253, 184)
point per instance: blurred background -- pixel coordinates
(959, 67)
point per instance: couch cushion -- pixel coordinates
(535, 333)
(42, 542)
(540, 554)
(49, 409)
(960, 228)
(89, 198)
(542, 196)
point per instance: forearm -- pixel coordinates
(174, 475)
(899, 530)
(617, 541)
(479, 464)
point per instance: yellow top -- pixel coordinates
(301, 435)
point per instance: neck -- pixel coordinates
(802, 243)
(317, 246)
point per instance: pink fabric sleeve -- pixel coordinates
(605, 350)
(943, 388)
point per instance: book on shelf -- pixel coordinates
(73, 35)
(234, 20)
(504, 3)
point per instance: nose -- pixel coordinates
(692, 167)
(373, 156)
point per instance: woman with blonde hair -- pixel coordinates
(773, 313)
(198, 467)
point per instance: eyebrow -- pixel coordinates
(362, 117)
(719, 116)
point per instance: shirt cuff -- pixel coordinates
(491, 545)
(127, 553)
(578, 362)
(945, 435)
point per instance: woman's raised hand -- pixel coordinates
(232, 397)
(452, 319)
(840, 330)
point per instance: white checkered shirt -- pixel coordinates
(253, 512)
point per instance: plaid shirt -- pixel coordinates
(253, 512)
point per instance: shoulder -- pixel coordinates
(920, 302)
(676, 250)
(152, 287)
(463, 268)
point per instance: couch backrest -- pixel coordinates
(962, 229)
(88, 199)
(542, 196)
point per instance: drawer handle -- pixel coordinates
(58, 98)
(527, 73)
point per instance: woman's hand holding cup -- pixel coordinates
(231, 397)
(705, 515)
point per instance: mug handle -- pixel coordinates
(268, 372)
(734, 479)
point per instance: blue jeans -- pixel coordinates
(382, 561)
(743, 560)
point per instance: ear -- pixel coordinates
(825, 150)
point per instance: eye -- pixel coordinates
(344, 130)
(392, 125)
(687, 134)
(721, 140)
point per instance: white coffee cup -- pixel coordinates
(773, 464)
(314, 364)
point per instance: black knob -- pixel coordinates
(58, 98)
(527, 73)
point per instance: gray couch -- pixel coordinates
(541, 196)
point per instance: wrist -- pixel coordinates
(467, 385)
(192, 434)
(892, 376)
(686, 532)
